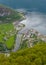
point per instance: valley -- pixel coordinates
(14, 34)
(22, 32)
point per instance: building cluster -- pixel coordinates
(33, 36)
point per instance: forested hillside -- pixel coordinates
(30, 56)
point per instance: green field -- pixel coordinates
(7, 35)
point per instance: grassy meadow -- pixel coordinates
(7, 34)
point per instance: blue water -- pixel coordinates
(31, 5)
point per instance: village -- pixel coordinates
(32, 37)
(12, 36)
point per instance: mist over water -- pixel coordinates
(36, 21)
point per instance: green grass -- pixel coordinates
(7, 35)
(10, 41)
(6, 27)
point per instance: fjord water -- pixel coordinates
(32, 5)
(36, 18)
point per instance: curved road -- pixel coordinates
(17, 43)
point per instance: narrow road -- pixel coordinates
(17, 43)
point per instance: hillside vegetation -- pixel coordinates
(9, 15)
(30, 56)
(7, 36)
(7, 29)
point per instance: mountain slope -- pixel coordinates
(8, 15)
(29, 56)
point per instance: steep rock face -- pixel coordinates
(5, 14)
(5, 11)
(8, 15)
